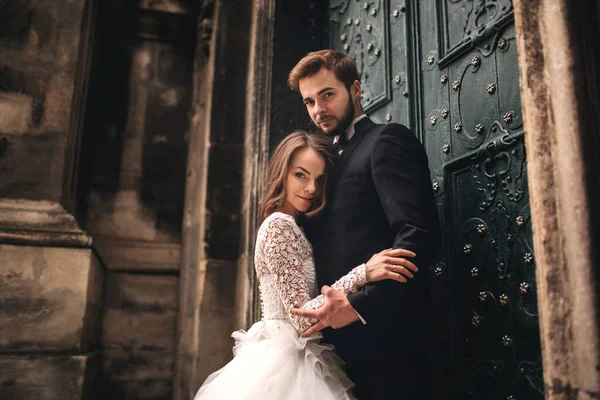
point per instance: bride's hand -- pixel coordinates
(390, 264)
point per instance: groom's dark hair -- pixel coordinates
(342, 66)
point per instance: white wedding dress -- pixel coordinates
(271, 360)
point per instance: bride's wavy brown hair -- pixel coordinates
(279, 165)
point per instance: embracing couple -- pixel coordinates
(350, 209)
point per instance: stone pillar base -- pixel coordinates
(47, 377)
(50, 307)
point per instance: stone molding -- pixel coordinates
(193, 250)
(256, 157)
(561, 108)
(126, 255)
(39, 222)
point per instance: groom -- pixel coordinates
(381, 198)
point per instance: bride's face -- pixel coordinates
(303, 183)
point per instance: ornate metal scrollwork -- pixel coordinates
(365, 37)
(482, 19)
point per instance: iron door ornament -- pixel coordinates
(448, 69)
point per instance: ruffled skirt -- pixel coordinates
(271, 361)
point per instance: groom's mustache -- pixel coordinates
(324, 118)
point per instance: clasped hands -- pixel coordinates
(337, 311)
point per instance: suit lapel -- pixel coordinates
(360, 129)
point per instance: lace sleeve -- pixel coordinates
(284, 259)
(347, 284)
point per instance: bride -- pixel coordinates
(271, 360)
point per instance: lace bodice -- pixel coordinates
(286, 270)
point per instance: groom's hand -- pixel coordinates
(336, 313)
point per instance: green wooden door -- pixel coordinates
(448, 70)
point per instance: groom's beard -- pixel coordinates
(345, 121)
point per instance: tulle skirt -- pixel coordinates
(271, 361)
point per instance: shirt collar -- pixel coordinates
(350, 130)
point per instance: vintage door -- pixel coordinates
(448, 70)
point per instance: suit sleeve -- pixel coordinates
(400, 171)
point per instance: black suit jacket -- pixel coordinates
(382, 197)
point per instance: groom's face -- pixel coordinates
(330, 105)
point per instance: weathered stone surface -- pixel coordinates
(139, 374)
(217, 316)
(47, 377)
(119, 254)
(138, 336)
(40, 177)
(39, 223)
(171, 6)
(559, 91)
(39, 43)
(15, 112)
(51, 299)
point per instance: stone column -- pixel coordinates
(50, 280)
(559, 57)
(213, 205)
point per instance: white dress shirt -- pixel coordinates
(349, 131)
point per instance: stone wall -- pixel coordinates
(131, 186)
(39, 47)
(50, 279)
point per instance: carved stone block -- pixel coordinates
(120, 254)
(42, 223)
(138, 336)
(15, 112)
(51, 299)
(47, 377)
(216, 323)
